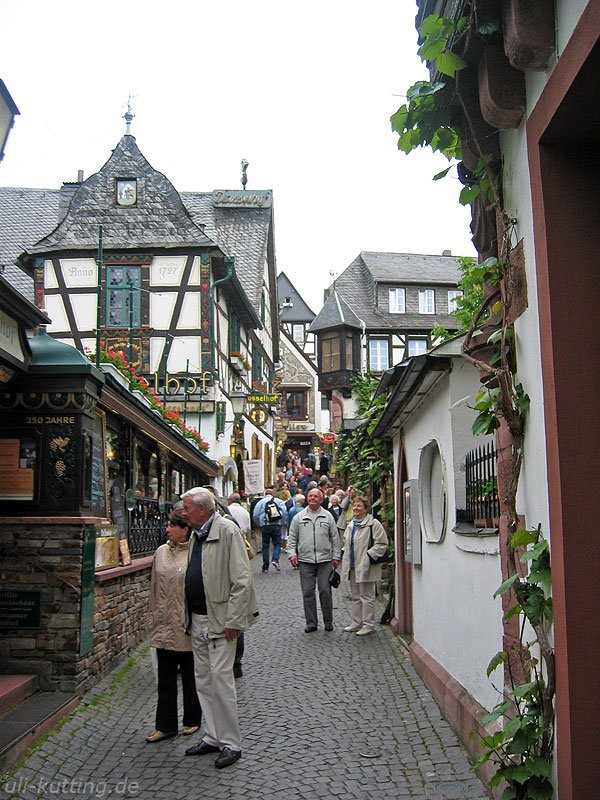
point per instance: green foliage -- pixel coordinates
(471, 285)
(523, 748)
(365, 460)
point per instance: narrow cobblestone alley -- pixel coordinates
(322, 715)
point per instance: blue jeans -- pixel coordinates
(270, 533)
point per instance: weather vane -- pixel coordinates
(245, 166)
(128, 117)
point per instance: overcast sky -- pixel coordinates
(303, 91)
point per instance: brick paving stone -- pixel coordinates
(309, 706)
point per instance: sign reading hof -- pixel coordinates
(20, 609)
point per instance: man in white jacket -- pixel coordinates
(314, 546)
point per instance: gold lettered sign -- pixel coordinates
(264, 398)
(19, 609)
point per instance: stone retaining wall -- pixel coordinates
(46, 555)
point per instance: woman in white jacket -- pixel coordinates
(364, 536)
(167, 634)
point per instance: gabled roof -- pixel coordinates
(298, 311)
(158, 219)
(411, 381)
(335, 313)
(43, 220)
(25, 216)
(245, 233)
(411, 268)
(364, 285)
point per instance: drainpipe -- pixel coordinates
(229, 264)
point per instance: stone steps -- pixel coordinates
(26, 717)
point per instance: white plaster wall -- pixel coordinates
(454, 615)
(161, 309)
(85, 309)
(189, 318)
(181, 350)
(533, 494)
(55, 309)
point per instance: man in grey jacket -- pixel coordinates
(314, 546)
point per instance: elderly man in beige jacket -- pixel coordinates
(220, 604)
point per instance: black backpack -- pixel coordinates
(272, 512)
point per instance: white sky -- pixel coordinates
(303, 91)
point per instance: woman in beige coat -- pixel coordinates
(167, 634)
(364, 536)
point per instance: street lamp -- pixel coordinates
(8, 112)
(238, 403)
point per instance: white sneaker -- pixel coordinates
(352, 628)
(364, 631)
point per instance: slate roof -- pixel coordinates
(158, 219)
(299, 311)
(35, 221)
(240, 232)
(367, 279)
(25, 216)
(335, 312)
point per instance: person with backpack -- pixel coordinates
(270, 514)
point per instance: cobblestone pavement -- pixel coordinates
(322, 715)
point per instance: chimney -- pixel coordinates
(79, 176)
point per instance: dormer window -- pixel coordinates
(426, 301)
(126, 192)
(397, 299)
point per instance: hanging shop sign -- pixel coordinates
(264, 398)
(242, 199)
(181, 383)
(327, 438)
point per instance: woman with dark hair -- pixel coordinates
(167, 634)
(365, 538)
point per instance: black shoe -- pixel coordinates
(227, 757)
(265, 570)
(237, 671)
(310, 629)
(329, 627)
(201, 749)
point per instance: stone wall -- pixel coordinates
(46, 555)
(120, 619)
(38, 554)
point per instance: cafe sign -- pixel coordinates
(242, 199)
(264, 399)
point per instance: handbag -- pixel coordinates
(385, 558)
(249, 548)
(335, 578)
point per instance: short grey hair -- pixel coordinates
(201, 496)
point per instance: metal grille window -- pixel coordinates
(483, 505)
(123, 297)
(426, 301)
